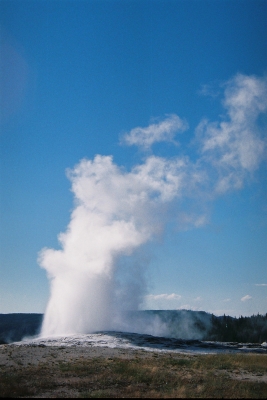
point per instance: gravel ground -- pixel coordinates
(24, 355)
(13, 355)
(44, 362)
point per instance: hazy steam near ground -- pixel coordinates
(117, 211)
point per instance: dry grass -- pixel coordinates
(154, 376)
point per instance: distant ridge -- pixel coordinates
(13, 327)
(180, 324)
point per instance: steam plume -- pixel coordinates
(117, 211)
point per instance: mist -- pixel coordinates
(117, 212)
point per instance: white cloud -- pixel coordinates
(260, 284)
(247, 297)
(234, 147)
(226, 300)
(163, 131)
(164, 296)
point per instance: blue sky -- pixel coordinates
(77, 77)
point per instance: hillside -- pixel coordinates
(13, 327)
(180, 324)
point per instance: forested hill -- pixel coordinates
(13, 327)
(243, 329)
(186, 324)
(181, 324)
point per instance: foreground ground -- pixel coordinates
(43, 371)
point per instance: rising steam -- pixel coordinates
(117, 211)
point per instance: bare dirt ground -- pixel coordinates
(45, 371)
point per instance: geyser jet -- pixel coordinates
(117, 210)
(115, 213)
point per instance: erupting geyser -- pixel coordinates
(116, 210)
(114, 215)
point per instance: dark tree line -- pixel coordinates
(243, 329)
(13, 327)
